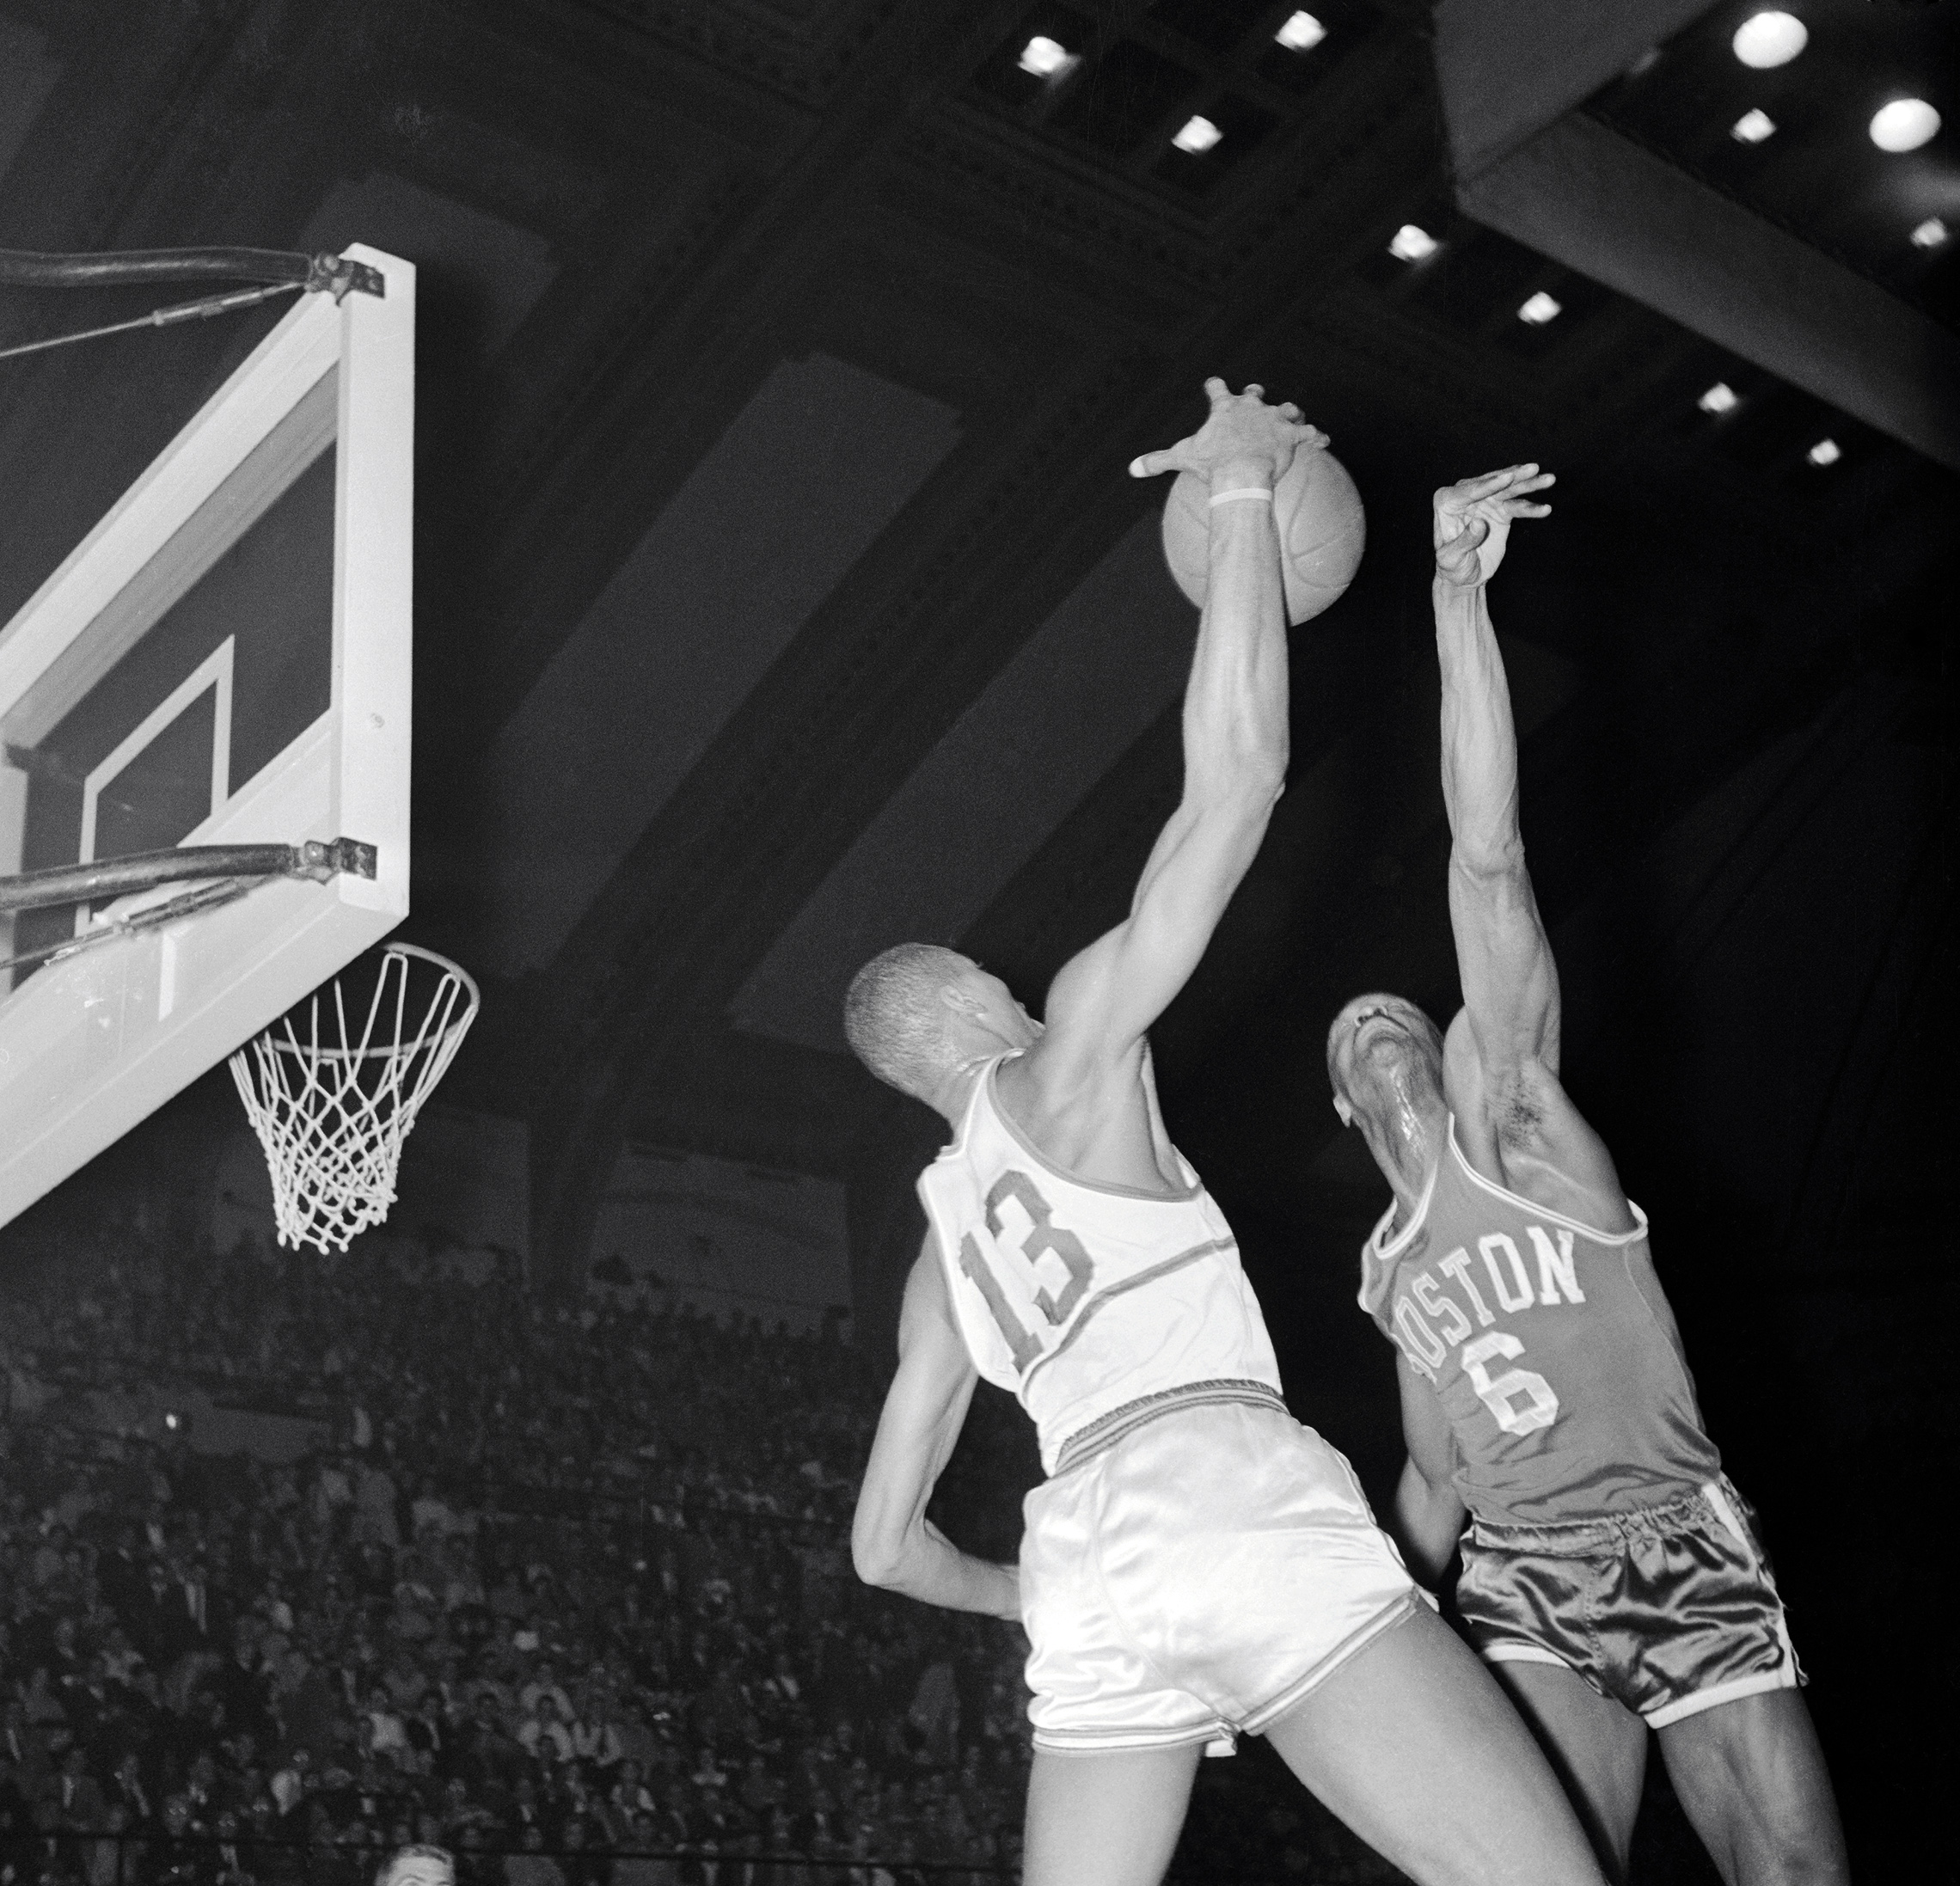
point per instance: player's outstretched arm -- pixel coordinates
(892, 1543)
(1235, 738)
(1511, 985)
(1428, 1515)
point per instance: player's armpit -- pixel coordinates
(1519, 1127)
(891, 1544)
(1504, 1103)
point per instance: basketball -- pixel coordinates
(1321, 533)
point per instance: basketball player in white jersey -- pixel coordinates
(1611, 1573)
(1198, 1565)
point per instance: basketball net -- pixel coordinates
(332, 1107)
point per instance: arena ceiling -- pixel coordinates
(779, 593)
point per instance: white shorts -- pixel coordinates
(1195, 1580)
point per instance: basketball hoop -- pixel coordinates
(332, 1107)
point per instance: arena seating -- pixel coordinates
(565, 1588)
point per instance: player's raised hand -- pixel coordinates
(1243, 437)
(1473, 518)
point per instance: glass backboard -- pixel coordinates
(224, 660)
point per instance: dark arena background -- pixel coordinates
(780, 594)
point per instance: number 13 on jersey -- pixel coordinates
(1037, 1237)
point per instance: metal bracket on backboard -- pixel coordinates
(336, 274)
(320, 859)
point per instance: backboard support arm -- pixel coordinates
(317, 859)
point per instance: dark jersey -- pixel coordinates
(1566, 1393)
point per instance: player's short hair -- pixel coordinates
(893, 1017)
(417, 1849)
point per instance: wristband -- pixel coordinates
(1258, 492)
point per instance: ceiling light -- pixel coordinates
(1719, 398)
(1765, 39)
(1046, 58)
(1540, 309)
(1301, 33)
(1929, 233)
(1752, 127)
(1199, 134)
(1904, 124)
(1412, 244)
(1826, 451)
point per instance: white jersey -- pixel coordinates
(1079, 1297)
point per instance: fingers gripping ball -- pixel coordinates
(1321, 532)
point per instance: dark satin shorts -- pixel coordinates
(1668, 1609)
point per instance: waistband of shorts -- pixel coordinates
(1712, 1503)
(1105, 1430)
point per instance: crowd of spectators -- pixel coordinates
(565, 1589)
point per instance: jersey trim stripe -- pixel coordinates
(1521, 1653)
(1096, 1302)
(1787, 1678)
(1387, 1253)
(1035, 1153)
(1105, 1430)
(1531, 1208)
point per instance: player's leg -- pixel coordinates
(1598, 1748)
(1412, 1742)
(1106, 1819)
(1752, 1780)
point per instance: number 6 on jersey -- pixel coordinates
(1541, 1405)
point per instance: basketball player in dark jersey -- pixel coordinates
(1612, 1574)
(1197, 1565)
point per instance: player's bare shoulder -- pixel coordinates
(1086, 1109)
(1083, 1092)
(1520, 1128)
